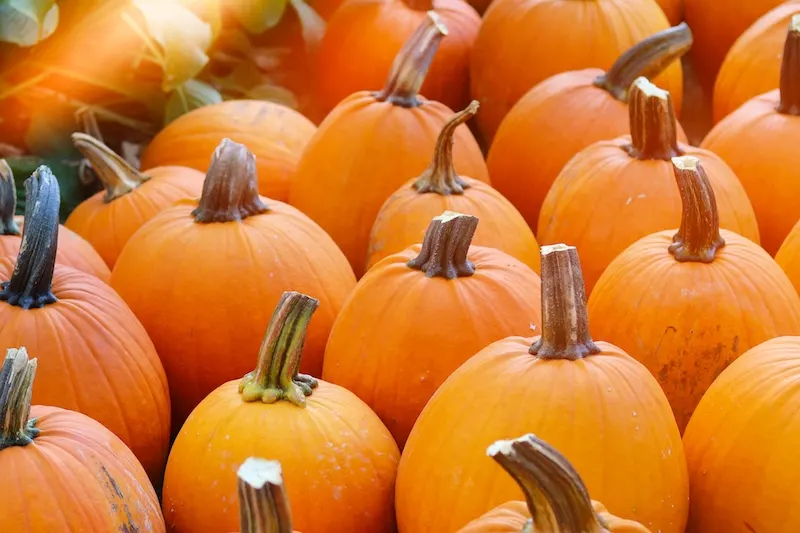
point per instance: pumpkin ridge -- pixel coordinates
(445, 247)
(8, 200)
(16, 390)
(263, 502)
(790, 71)
(653, 126)
(117, 175)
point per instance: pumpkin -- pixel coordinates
(564, 114)
(338, 459)
(96, 357)
(753, 65)
(263, 503)
(108, 219)
(744, 433)
(404, 217)
(687, 304)
(276, 134)
(556, 496)
(370, 145)
(673, 9)
(615, 192)
(517, 43)
(600, 407)
(461, 298)
(232, 240)
(364, 36)
(62, 470)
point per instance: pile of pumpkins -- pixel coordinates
(363, 307)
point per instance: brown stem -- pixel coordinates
(440, 177)
(654, 128)
(8, 200)
(32, 280)
(276, 375)
(230, 190)
(263, 503)
(412, 62)
(446, 245)
(790, 70)
(565, 322)
(698, 238)
(16, 388)
(648, 58)
(116, 175)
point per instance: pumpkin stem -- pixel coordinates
(565, 322)
(790, 70)
(412, 62)
(654, 128)
(276, 375)
(32, 280)
(698, 238)
(117, 175)
(230, 190)
(8, 200)
(440, 177)
(445, 247)
(557, 498)
(16, 388)
(647, 58)
(263, 503)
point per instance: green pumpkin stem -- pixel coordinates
(276, 375)
(16, 388)
(263, 503)
(412, 62)
(32, 280)
(8, 200)
(230, 190)
(446, 245)
(648, 58)
(117, 175)
(654, 128)
(790, 71)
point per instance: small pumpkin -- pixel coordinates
(417, 315)
(338, 459)
(263, 502)
(615, 192)
(592, 401)
(404, 217)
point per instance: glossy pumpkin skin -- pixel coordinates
(605, 413)
(76, 475)
(338, 460)
(276, 134)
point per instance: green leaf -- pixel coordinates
(26, 22)
(257, 16)
(312, 24)
(190, 95)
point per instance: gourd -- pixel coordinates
(263, 503)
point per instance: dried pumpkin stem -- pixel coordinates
(440, 177)
(117, 175)
(790, 71)
(8, 200)
(654, 128)
(648, 58)
(32, 280)
(412, 62)
(446, 245)
(263, 504)
(230, 190)
(16, 389)
(565, 322)
(276, 375)
(698, 238)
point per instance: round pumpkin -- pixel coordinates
(338, 459)
(596, 404)
(404, 217)
(615, 192)
(788, 256)
(673, 9)
(371, 143)
(263, 502)
(461, 298)
(276, 134)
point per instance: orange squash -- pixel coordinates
(566, 113)
(673, 9)
(687, 304)
(596, 404)
(371, 143)
(263, 503)
(338, 458)
(62, 470)
(276, 134)
(404, 217)
(462, 299)
(615, 192)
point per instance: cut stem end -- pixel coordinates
(446, 246)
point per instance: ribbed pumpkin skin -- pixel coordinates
(75, 476)
(276, 135)
(788, 256)
(673, 9)
(606, 414)
(338, 461)
(744, 433)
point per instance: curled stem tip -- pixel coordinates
(263, 503)
(446, 246)
(654, 128)
(8, 200)
(16, 389)
(117, 175)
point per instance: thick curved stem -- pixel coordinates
(654, 128)
(790, 71)
(446, 245)
(8, 200)
(263, 504)
(16, 388)
(116, 175)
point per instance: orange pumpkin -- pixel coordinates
(596, 404)
(276, 134)
(338, 458)
(687, 304)
(673, 9)
(371, 143)
(615, 192)
(404, 217)
(263, 503)
(231, 241)
(462, 298)
(564, 114)
(62, 470)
